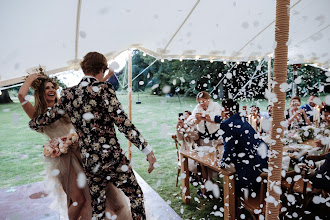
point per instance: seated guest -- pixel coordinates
(296, 117)
(254, 118)
(188, 134)
(320, 178)
(323, 139)
(203, 115)
(325, 116)
(267, 114)
(308, 107)
(266, 120)
(242, 148)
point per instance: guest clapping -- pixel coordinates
(203, 117)
(296, 117)
(254, 118)
(185, 131)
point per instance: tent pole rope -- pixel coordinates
(129, 99)
(313, 34)
(257, 69)
(223, 78)
(191, 11)
(269, 76)
(280, 76)
(77, 31)
(141, 72)
(260, 33)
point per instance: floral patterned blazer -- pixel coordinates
(93, 108)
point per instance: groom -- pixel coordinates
(93, 108)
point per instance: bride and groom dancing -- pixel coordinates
(92, 109)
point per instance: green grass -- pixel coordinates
(21, 159)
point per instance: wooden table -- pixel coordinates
(211, 161)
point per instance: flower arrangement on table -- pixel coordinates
(301, 135)
(292, 137)
(307, 133)
(57, 146)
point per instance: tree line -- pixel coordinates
(225, 79)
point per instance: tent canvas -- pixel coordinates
(57, 34)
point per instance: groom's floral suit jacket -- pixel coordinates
(94, 109)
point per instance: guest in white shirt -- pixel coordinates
(203, 116)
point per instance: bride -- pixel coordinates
(74, 202)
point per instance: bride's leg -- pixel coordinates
(117, 203)
(77, 197)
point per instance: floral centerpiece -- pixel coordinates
(57, 146)
(307, 133)
(291, 137)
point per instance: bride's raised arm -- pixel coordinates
(22, 93)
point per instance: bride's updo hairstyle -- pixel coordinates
(93, 63)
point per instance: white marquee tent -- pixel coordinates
(56, 34)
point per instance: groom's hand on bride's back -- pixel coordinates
(152, 160)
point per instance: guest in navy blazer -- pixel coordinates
(308, 107)
(242, 147)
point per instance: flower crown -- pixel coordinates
(36, 83)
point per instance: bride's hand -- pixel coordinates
(33, 77)
(152, 160)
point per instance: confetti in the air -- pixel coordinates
(114, 65)
(88, 116)
(55, 172)
(81, 180)
(124, 168)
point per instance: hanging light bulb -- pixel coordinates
(249, 62)
(224, 62)
(181, 59)
(238, 62)
(211, 61)
(144, 54)
(162, 60)
(197, 57)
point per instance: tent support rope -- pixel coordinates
(257, 69)
(223, 78)
(191, 11)
(77, 31)
(142, 71)
(260, 32)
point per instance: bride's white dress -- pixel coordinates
(59, 186)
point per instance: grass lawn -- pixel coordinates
(21, 159)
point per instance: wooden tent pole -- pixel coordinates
(269, 76)
(129, 99)
(280, 75)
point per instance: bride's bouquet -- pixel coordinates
(57, 146)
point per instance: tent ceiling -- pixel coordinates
(44, 32)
